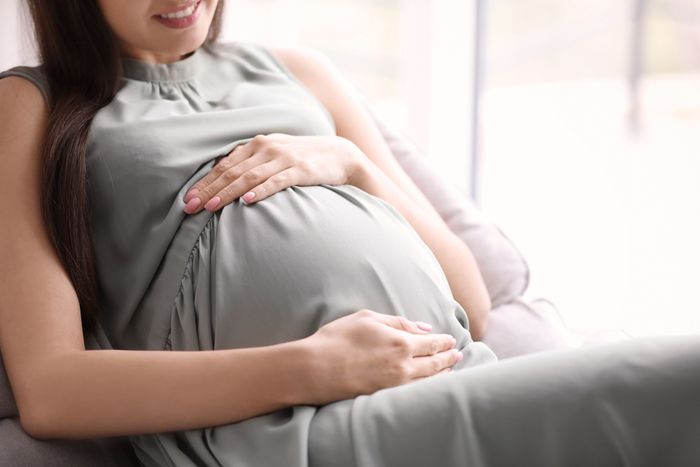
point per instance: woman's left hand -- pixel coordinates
(270, 163)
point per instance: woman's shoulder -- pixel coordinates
(23, 98)
(27, 80)
(22, 120)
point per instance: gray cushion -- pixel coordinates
(526, 326)
(17, 449)
(7, 402)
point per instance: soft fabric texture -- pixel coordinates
(630, 403)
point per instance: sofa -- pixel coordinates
(517, 325)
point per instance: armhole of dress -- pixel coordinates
(31, 74)
(283, 68)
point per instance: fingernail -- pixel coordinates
(192, 205)
(212, 203)
(190, 194)
(423, 326)
(460, 355)
(248, 197)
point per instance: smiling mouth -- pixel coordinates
(181, 14)
(182, 18)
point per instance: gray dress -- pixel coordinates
(277, 270)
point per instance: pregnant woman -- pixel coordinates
(213, 253)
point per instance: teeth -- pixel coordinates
(180, 14)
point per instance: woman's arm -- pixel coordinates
(391, 183)
(63, 390)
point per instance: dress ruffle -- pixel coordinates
(191, 324)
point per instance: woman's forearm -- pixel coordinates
(119, 392)
(454, 256)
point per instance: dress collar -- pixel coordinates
(181, 70)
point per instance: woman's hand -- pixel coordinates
(270, 163)
(366, 351)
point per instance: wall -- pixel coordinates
(15, 39)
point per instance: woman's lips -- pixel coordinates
(181, 18)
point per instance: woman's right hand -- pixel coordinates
(366, 351)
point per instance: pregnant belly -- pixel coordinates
(281, 268)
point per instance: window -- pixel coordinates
(605, 209)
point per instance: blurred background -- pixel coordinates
(575, 124)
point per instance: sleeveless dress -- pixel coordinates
(277, 270)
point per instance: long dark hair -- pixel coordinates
(81, 60)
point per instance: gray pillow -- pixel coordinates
(17, 449)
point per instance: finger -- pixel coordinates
(202, 189)
(424, 326)
(272, 185)
(431, 344)
(231, 159)
(227, 174)
(242, 184)
(402, 323)
(432, 365)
